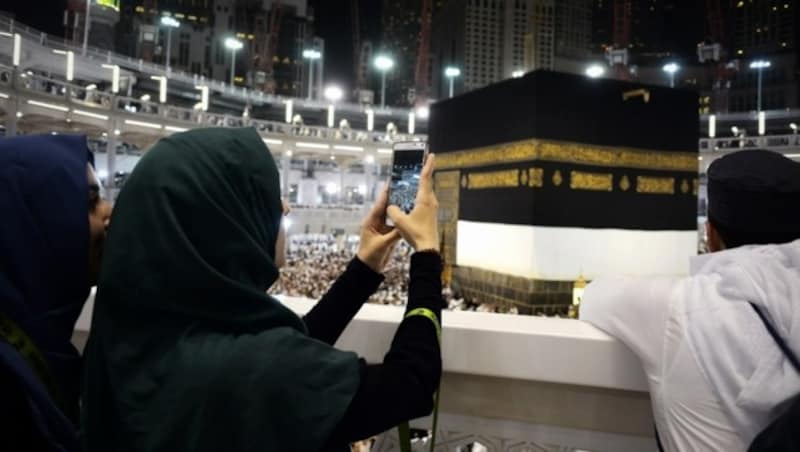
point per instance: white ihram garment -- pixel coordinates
(716, 377)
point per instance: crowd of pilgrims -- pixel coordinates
(314, 261)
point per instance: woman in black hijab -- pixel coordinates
(188, 352)
(51, 242)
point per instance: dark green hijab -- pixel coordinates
(187, 352)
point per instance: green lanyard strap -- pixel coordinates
(404, 430)
(11, 333)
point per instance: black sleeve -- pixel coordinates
(327, 320)
(18, 428)
(402, 387)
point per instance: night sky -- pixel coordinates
(334, 25)
(332, 17)
(33, 13)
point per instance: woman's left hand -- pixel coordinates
(377, 239)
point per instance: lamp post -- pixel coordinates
(86, 24)
(384, 64)
(233, 44)
(759, 65)
(451, 72)
(595, 71)
(333, 94)
(170, 23)
(312, 55)
(671, 69)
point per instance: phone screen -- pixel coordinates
(406, 170)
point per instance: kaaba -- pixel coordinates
(551, 178)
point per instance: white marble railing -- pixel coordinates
(37, 41)
(782, 143)
(517, 383)
(62, 99)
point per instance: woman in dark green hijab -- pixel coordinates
(188, 353)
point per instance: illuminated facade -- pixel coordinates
(765, 30)
(198, 44)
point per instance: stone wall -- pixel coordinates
(528, 295)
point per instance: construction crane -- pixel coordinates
(421, 79)
(267, 28)
(713, 52)
(618, 55)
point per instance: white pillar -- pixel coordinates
(307, 192)
(111, 157)
(286, 170)
(372, 183)
(289, 111)
(370, 120)
(11, 121)
(11, 113)
(367, 183)
(307, 188)
(342, 171)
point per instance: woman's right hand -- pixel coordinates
(420, 228)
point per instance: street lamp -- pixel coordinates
(671, 69)
(170, 23)
(333, 94)
(793, 126)
(451, 72)
(595, 71)
(233, 44)
(517, 74)
(383, 63)
(760, 65)
(311, 55)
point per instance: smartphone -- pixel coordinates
(408, 158)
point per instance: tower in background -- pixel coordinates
(400, 40)
(103, 16)
(540, 36)
(197, 45)
(765, 30)
(492, 40)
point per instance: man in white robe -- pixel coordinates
(716, 377)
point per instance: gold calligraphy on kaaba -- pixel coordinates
(564, 152)
(493, 179)
(557, 178)
(624, 183)
(581, 180)
(535, 177)
(525, 177)
(655, 185)
(446, 179)
(446, 185)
